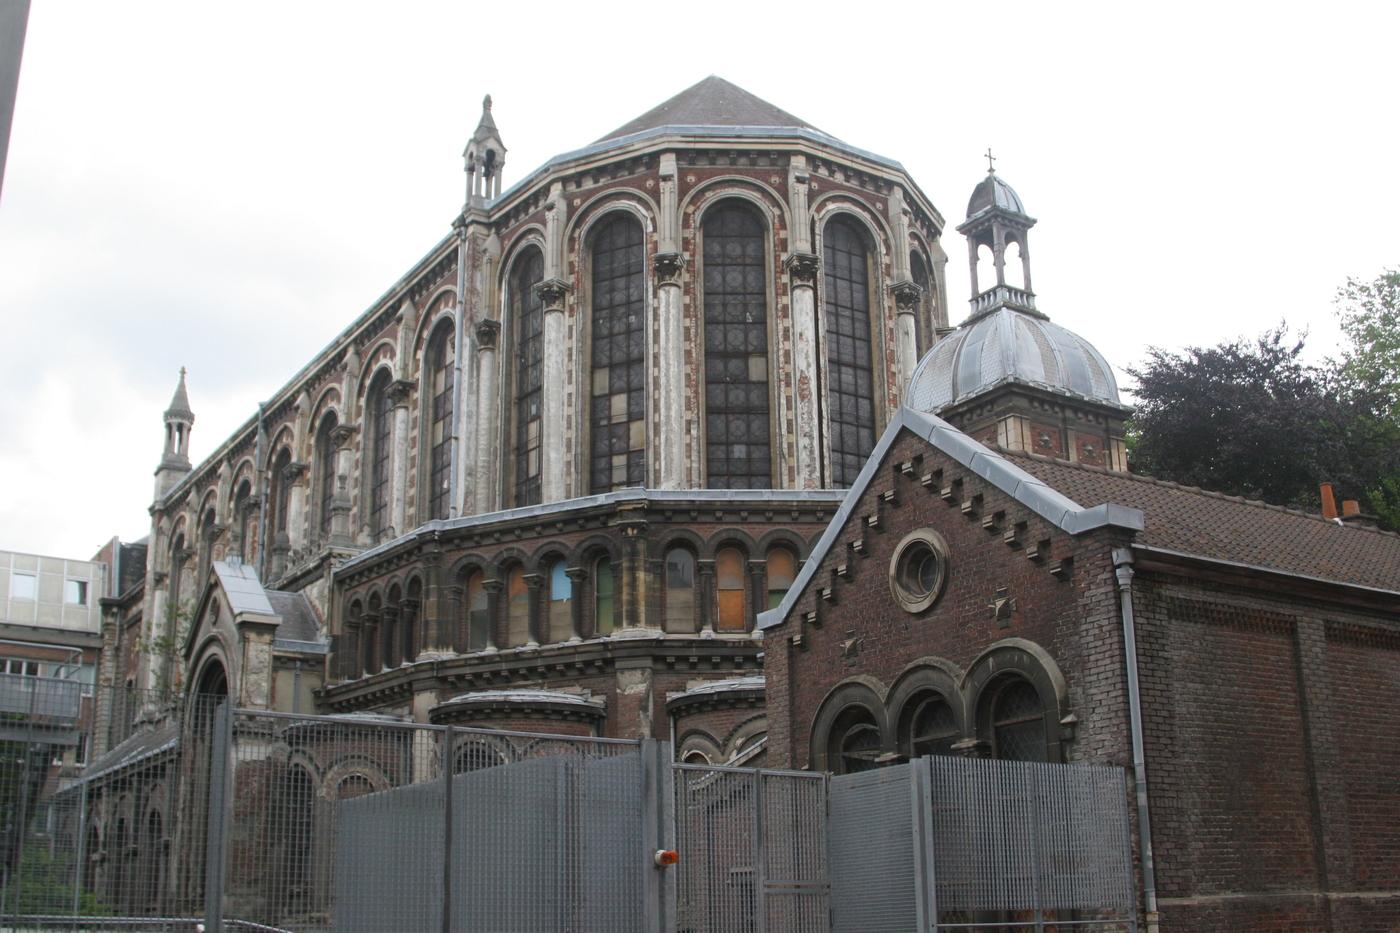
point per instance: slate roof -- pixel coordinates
(299, 621)
(241, 587)
(712, 102)
(1212, 525)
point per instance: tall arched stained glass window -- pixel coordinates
(242, 516)
(850, 385)
(737, 439)
(923, 321)
(618, 399)
(528, 310)
(439, 373)
(381, 409)
(325, 462)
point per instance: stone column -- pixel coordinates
(349, 660)
(758, 591)
(578, 578)
(633, 578)
(552, 293)
(390, 637)
(369, 644)
(411, 633)
(487, 481)
(439, 622)
(400, 391)
(342, 437)
(535, 624)
(495, 635)
(705, 580)
(298, 476)
(671, 372)
(670, 333)
(906, 333)
(802, 275)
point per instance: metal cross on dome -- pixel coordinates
(991, 169)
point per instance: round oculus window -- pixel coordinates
(918, 570)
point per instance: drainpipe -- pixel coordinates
(1123, 570)
(458, 353)
(262, 496)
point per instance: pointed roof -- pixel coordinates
(486, 127)
(712, 102)
(180, 401)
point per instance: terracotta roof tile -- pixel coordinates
(1213, 525)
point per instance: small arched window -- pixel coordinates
(1018, 722)
(242, 517)
(206, 545)
(478, 616)
(348, 650)
(177, 564)
(326, 473)
(737, 434)
(931, 729)
(408, 618)
(528, 310)
(352, 786)
(391, 637)
(855, 743)
(369, 634)
(439, 383)
(381, 415)
(604, 598)
(561, 602)
(923, 321)
(850, 381)
(679, 594)
(781, 570)
(729, 584)
(517, 608)
(617, 418)
(282, 485)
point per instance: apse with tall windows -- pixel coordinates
(849, 342)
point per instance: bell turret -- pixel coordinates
(175, 460)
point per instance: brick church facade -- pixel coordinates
(672, 438)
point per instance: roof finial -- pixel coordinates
(486, 102)
(991, 169)
(182, 374)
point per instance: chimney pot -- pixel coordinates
(1329, 501)
(1350, 508)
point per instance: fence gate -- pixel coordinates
(752, 846)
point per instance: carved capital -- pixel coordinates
(493, 586)
(552, 292)
(293, 471)
(533, 580)
(668, 268)
(577, 575)
(906, 295)
(487, 333)
(343, 434)
(401, 390)
(803, 268)
(158, 578)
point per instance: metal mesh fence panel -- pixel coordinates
(1025, 843)
(752, 847)
(872, 851)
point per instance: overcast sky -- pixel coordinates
(226, 187)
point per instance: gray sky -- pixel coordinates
(225, 186)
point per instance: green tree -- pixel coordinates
(1368, 377)
(1248, 418)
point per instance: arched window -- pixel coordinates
(478, 616)
(326, 473)
(348, 651)
(206, 546)
(696, 758)
(408, 618)
(850, 385)
(177, 563)
(352, 786)
(528, 310)
(729, 583)
(781, 570)
(619, 379)
(390, 634)
(381, 420)
(604, 602)
(242, 516)
(737, 433)
(1018, 722)
(923, 321)
(679, 592)
(931, 728)
(369, 634)
(517, 608)
(282, 488)
(855, 743)
(1013, 265)
(561, 602)
(438, 376)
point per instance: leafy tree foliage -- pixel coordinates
(1251, 418)
(1248, 418)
